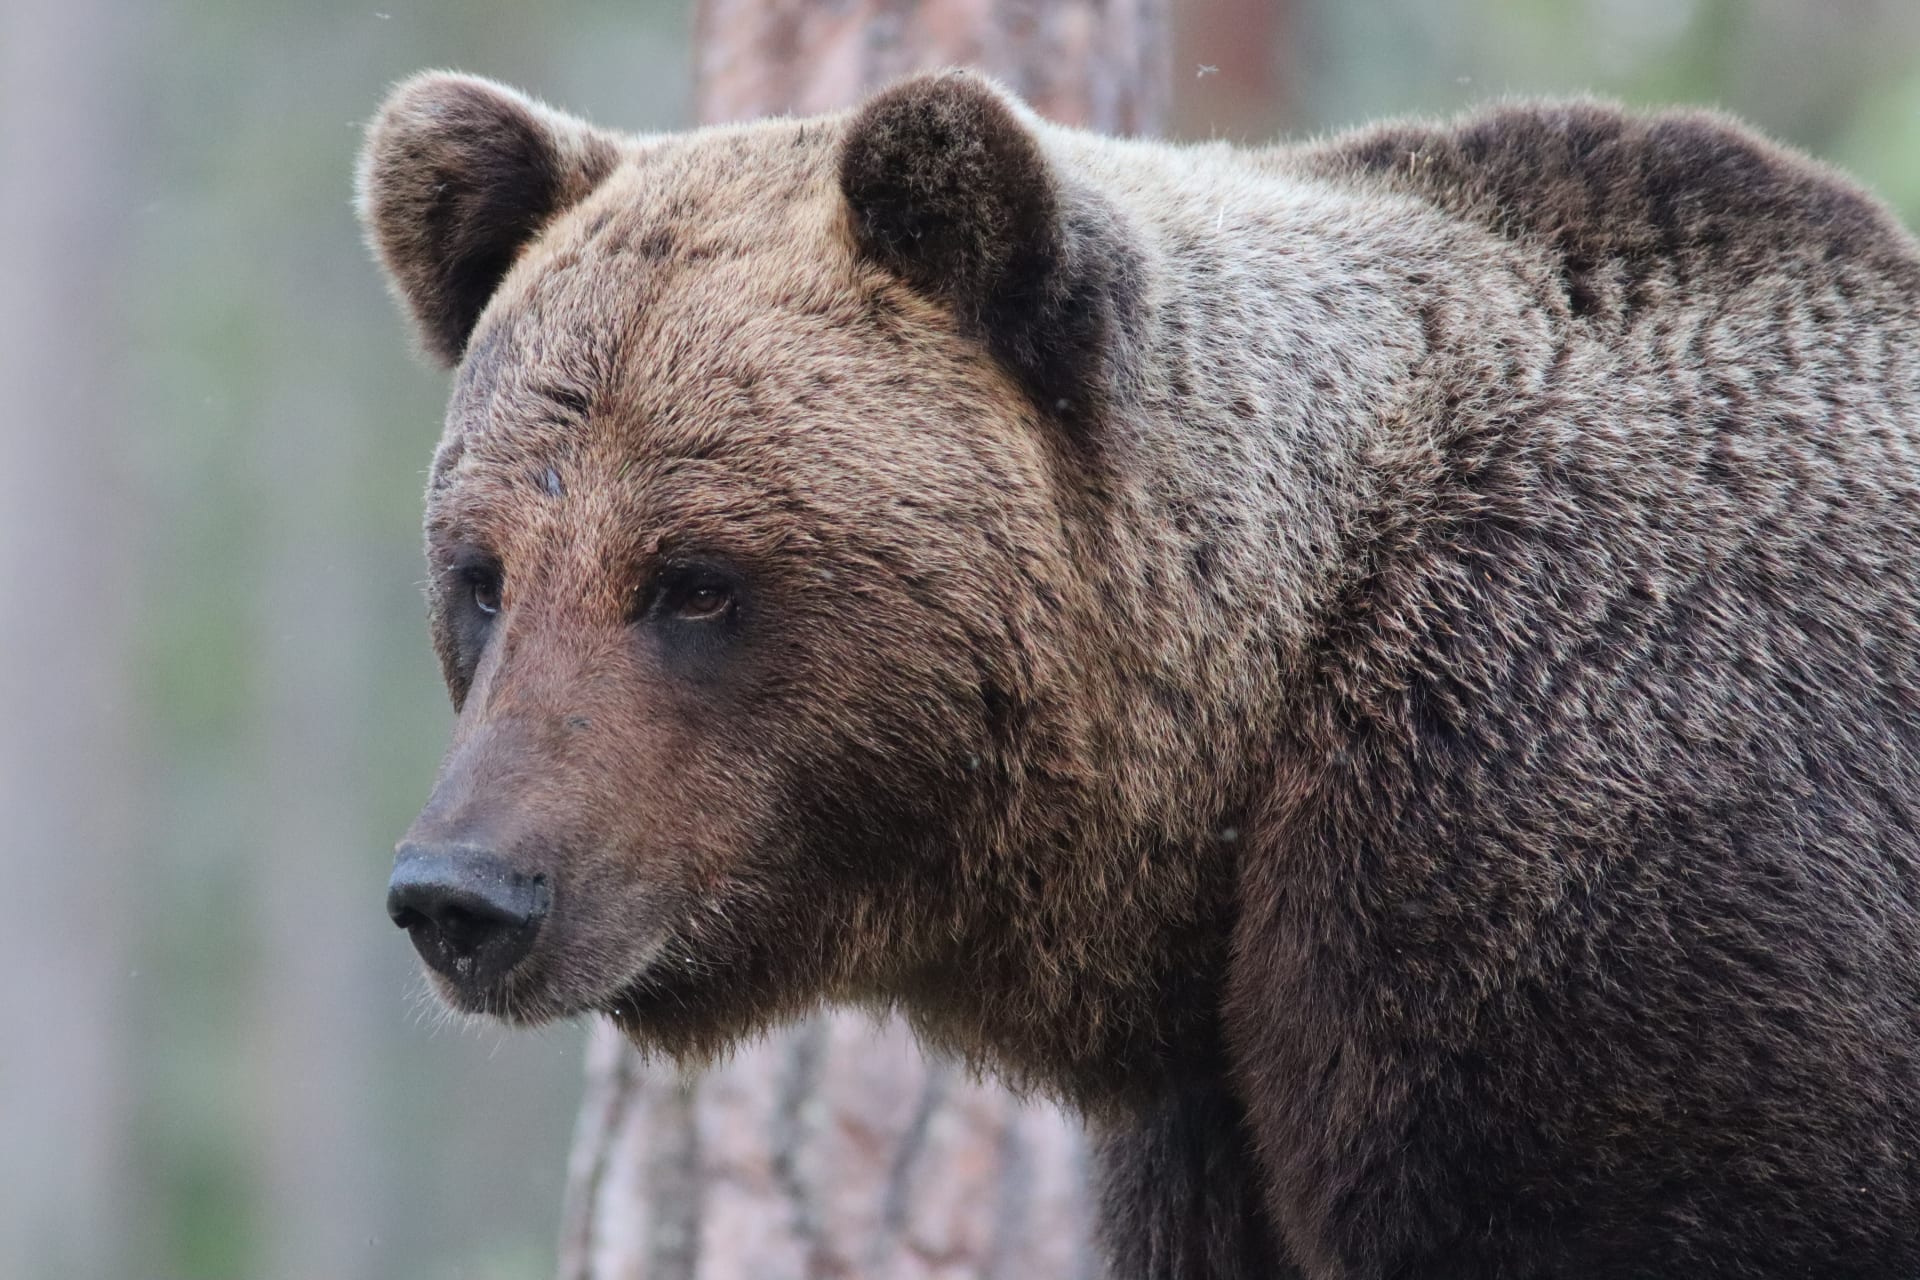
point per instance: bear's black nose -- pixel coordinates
(470, 915)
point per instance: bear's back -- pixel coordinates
(1609, 797)
(1628, 203)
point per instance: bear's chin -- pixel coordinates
(692, 1023)
(656, 1019)
(506, 1002)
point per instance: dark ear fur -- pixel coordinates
(950, 189)
(457, 175)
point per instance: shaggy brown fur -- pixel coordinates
(1384, 671)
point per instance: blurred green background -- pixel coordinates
(217, 703)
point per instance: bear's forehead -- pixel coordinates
(704, 281)
(728, 222)
(705, 311)
(687, 363)
(682, 292)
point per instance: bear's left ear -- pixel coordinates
(950, 188)
(457, 175)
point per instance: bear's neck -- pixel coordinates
(1288, 336)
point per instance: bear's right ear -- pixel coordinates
(456, 177)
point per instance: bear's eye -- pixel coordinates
(482, 583)
(707, 600)
(691, 595)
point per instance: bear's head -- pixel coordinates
(765, 543)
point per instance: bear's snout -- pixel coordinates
(471, 917)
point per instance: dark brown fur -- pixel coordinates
(1428, 758)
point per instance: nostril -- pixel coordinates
(467, 927)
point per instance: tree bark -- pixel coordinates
(835, 1150)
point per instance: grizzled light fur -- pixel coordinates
(1387, 671)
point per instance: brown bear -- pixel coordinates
(1385, 672)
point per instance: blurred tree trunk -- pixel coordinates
(69, 579)
(310, 1035)
(1102, 64)
(835, 1149)
(1232, 58)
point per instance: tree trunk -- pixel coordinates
(1232, 57)
(1102, 64)
(69, 578)
(835, 1149)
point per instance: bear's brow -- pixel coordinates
(708, 448)
(573, 402)
(554, 403)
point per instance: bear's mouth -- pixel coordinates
(513, 999)
(551, 987)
